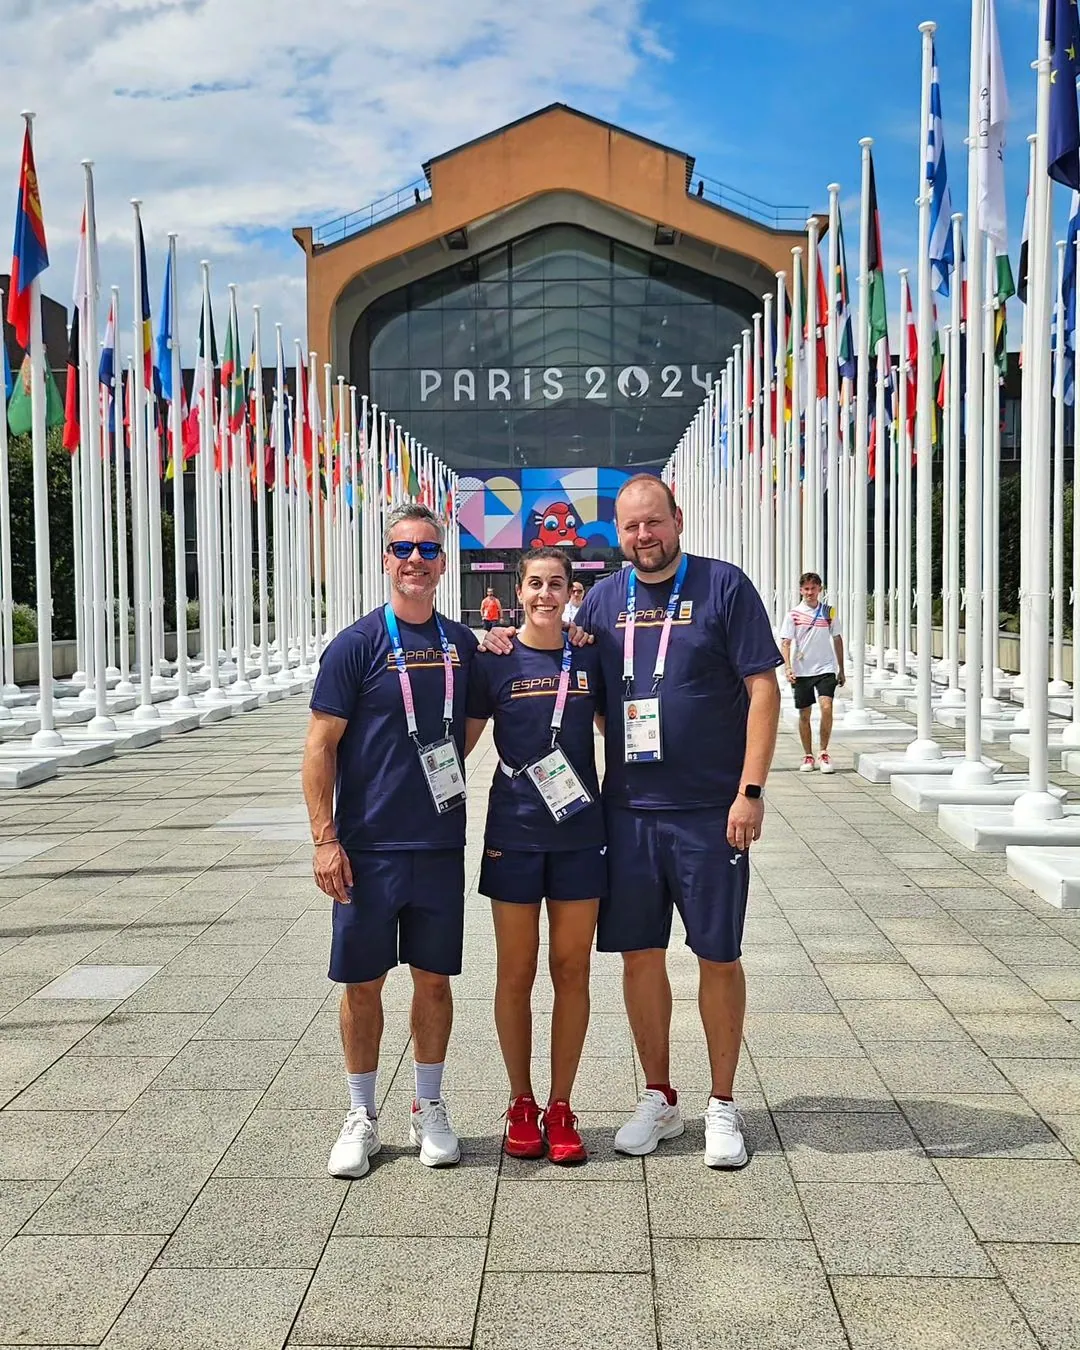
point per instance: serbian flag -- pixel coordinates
(31, 255)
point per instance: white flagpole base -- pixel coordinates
(991, 829)
(882, 766)
(925, 793)
(146, 712)
(1052, 873)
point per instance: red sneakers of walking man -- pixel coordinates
(813, 651)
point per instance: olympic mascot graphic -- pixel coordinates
(557, 525)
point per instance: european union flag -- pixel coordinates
(1063, 140)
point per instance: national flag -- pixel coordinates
(107, 362)
(1068, 298)
(315, 422)
(71, 388)
(165, 335)
(30, 256)
(19, 415)
(941, 240)
(232, 376)
(1063, 134)
(202, 386)
(1006, 289)
(845, 343)
(913, 359)
(822, 350)
(146, 329)
(871, 451)
(1022, 268)
(993, 115)
(879, 315)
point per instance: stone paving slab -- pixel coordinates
(911, 1086)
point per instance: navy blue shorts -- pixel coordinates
(407, 905)
(526, 878)
(658, 860)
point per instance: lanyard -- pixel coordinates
(564, 687)
(403, 672)
(665, 636)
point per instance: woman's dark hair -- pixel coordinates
(544, 551)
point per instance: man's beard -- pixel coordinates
(656, 564)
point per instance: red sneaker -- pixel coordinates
(560, 1130)
(523, 1138)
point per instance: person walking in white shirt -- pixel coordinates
(813, 650)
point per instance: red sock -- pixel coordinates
(666, 1088)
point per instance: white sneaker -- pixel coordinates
(808, 765)
(724, 1143)
(827, 765)
(653, 1119)
(432, 1131)
(356, 1144)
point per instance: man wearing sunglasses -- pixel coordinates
(385, 793)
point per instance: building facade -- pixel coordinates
(545, 309)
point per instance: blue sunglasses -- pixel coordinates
(402, 549)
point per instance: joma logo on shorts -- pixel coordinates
(493, 852)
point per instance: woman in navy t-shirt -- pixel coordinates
(544, 840)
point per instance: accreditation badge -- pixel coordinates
(642, 741)
(443, 774)
(560, 789)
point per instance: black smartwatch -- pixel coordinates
(752, 790)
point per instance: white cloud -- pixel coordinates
(234, 120)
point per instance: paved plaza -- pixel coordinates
(171, 1083)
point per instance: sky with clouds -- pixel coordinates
(234, 120)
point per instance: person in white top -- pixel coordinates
(570, 609)
(813, 651)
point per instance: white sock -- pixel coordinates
(362, 1091)
(428, 1081)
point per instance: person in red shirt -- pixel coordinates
(490, 610)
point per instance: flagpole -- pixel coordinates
(7, 636)
(145, 712)
(973, 772)
(157, 592)
(902, 680)
(304, 552)
(1071, 733)
(215, 695)
(263, 679)
(183, 699)
(326, 503)
(770, 325)
(88, 358)
(881, 474)
(78, 567)
(282, 602)
(793, 525)
(125, 686)
(953, 695)
(1038, 804)
(47, 737)
(1027, 340)
(991, 474)
(112, 670)
(893, 583)
(857, 715)
(316, 510)
(1058, 687)
(832, 405)
(236, 472)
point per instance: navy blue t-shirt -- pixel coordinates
(382, 800)
(518, 691)
(720, 634)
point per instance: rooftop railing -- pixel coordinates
(414, 194)
(404, 199)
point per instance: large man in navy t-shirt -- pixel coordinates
(692, 711)
(385, 795)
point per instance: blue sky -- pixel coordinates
(254, 125)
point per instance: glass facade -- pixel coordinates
(561, 348)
